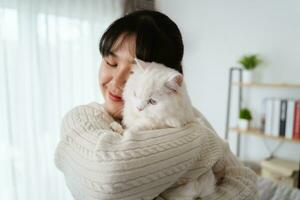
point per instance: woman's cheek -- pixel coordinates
(104, 78)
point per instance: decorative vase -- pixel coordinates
(243, 124)
(247, 76)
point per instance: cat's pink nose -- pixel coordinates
(139, 109)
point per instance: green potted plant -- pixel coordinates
(244, 119)
(249, 63)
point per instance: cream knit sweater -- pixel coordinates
(99, 164)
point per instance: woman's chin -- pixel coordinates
(115, 109)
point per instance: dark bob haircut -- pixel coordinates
(158, 38)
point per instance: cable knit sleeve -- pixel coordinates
(239, 182)
(99, 164)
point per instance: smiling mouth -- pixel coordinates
(114, 97)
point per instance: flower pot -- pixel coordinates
(247, 76)
(243, 124)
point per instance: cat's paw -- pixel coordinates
(173, 122)
(130, 132)
(134, 129)
(115, 126)
(127, 135)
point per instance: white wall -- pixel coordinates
(216, 34)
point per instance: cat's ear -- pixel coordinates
(142, 64)
(174, 82)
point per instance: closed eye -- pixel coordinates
(110, 64)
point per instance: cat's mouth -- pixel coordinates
(114, 97)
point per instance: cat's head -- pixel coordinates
(152, 88)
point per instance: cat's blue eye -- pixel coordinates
(152, 101)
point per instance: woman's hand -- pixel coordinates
(220, 176)
(116, 127)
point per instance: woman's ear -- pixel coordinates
(174, 82)
(142, 64)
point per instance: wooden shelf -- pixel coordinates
(269, 85)
(258, 133)
(240, 85)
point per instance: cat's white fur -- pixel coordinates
(170, 107)
(163, 85)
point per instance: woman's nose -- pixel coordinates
(120, 78)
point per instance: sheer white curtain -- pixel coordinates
(49, 63)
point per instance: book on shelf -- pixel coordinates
(290, 119)
(276, 117)
(268, 116)
(296, 131)
(282, 117)
(282, 121)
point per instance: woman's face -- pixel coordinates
(114, 72)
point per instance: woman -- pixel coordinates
(95, 167)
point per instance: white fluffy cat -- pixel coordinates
(155, 97)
